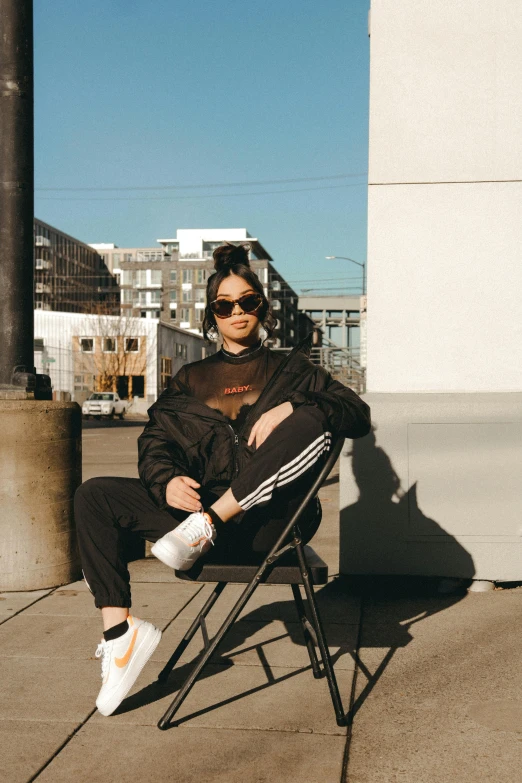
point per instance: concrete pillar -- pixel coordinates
(40, 469)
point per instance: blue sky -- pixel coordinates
(199, 92)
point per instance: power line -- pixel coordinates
(206, 195)
(213, 184)
(326, 279)
(311, 290)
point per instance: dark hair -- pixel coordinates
(229, 260)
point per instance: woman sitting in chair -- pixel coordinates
(229, 451)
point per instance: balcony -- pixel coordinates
(146, 305)
(201, 256)
(41, 263)
(42, 288)
(40, 241)
(145, 257)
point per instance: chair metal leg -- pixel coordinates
(199, 622)
(308, 631)
(316, 622)
(206, 656)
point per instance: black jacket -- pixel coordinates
(185, 437)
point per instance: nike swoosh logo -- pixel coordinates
(121, 662)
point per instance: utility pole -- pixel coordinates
(40, 445)
(17, 373)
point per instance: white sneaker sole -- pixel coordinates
(141, 655)
(166, 556)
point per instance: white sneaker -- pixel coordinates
(122, 661)
(181, 547)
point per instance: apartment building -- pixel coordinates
(169, 282)
(70, 276)
(146, 276)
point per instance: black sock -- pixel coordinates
(116, 631)
(216, 521)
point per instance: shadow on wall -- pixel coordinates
(385, 531)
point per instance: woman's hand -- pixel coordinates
(268, 422)
(181, 493)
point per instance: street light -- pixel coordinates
(359, 263)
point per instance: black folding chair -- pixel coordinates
(300, 565)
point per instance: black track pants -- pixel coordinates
(269, 489)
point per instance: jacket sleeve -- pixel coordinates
(347, 414)
(160, 458)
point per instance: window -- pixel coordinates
(155, 276)
(109, 345)
(155, 297)
(201, 275)
(173, 296)
(173, 275)
(199, 316)
(186, 296)
(132, 345)
(166, 371)
(200, 295)
(128, 257)
(185, 315)
(181, 350)
(87, 344)
(126, 277)
(155, 314)
(187, 276)
(116, 258)
(127, 296)
(140, 278)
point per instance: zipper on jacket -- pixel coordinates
(236, 446)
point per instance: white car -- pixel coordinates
(107, 404)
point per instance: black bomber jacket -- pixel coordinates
(185, 437)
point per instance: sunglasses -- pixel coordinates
(224, 308)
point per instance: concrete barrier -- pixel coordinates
(40, 469)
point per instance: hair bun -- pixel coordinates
(230, 255)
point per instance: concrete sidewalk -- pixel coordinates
(435, 683)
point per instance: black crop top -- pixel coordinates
(230, 383)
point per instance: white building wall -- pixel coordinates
(445, 206)
(435, 488)
(191, 239)
(57, 331)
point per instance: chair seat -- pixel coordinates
(285, 571)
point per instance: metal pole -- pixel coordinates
(17, 371)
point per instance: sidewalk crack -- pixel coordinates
(350, 715)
